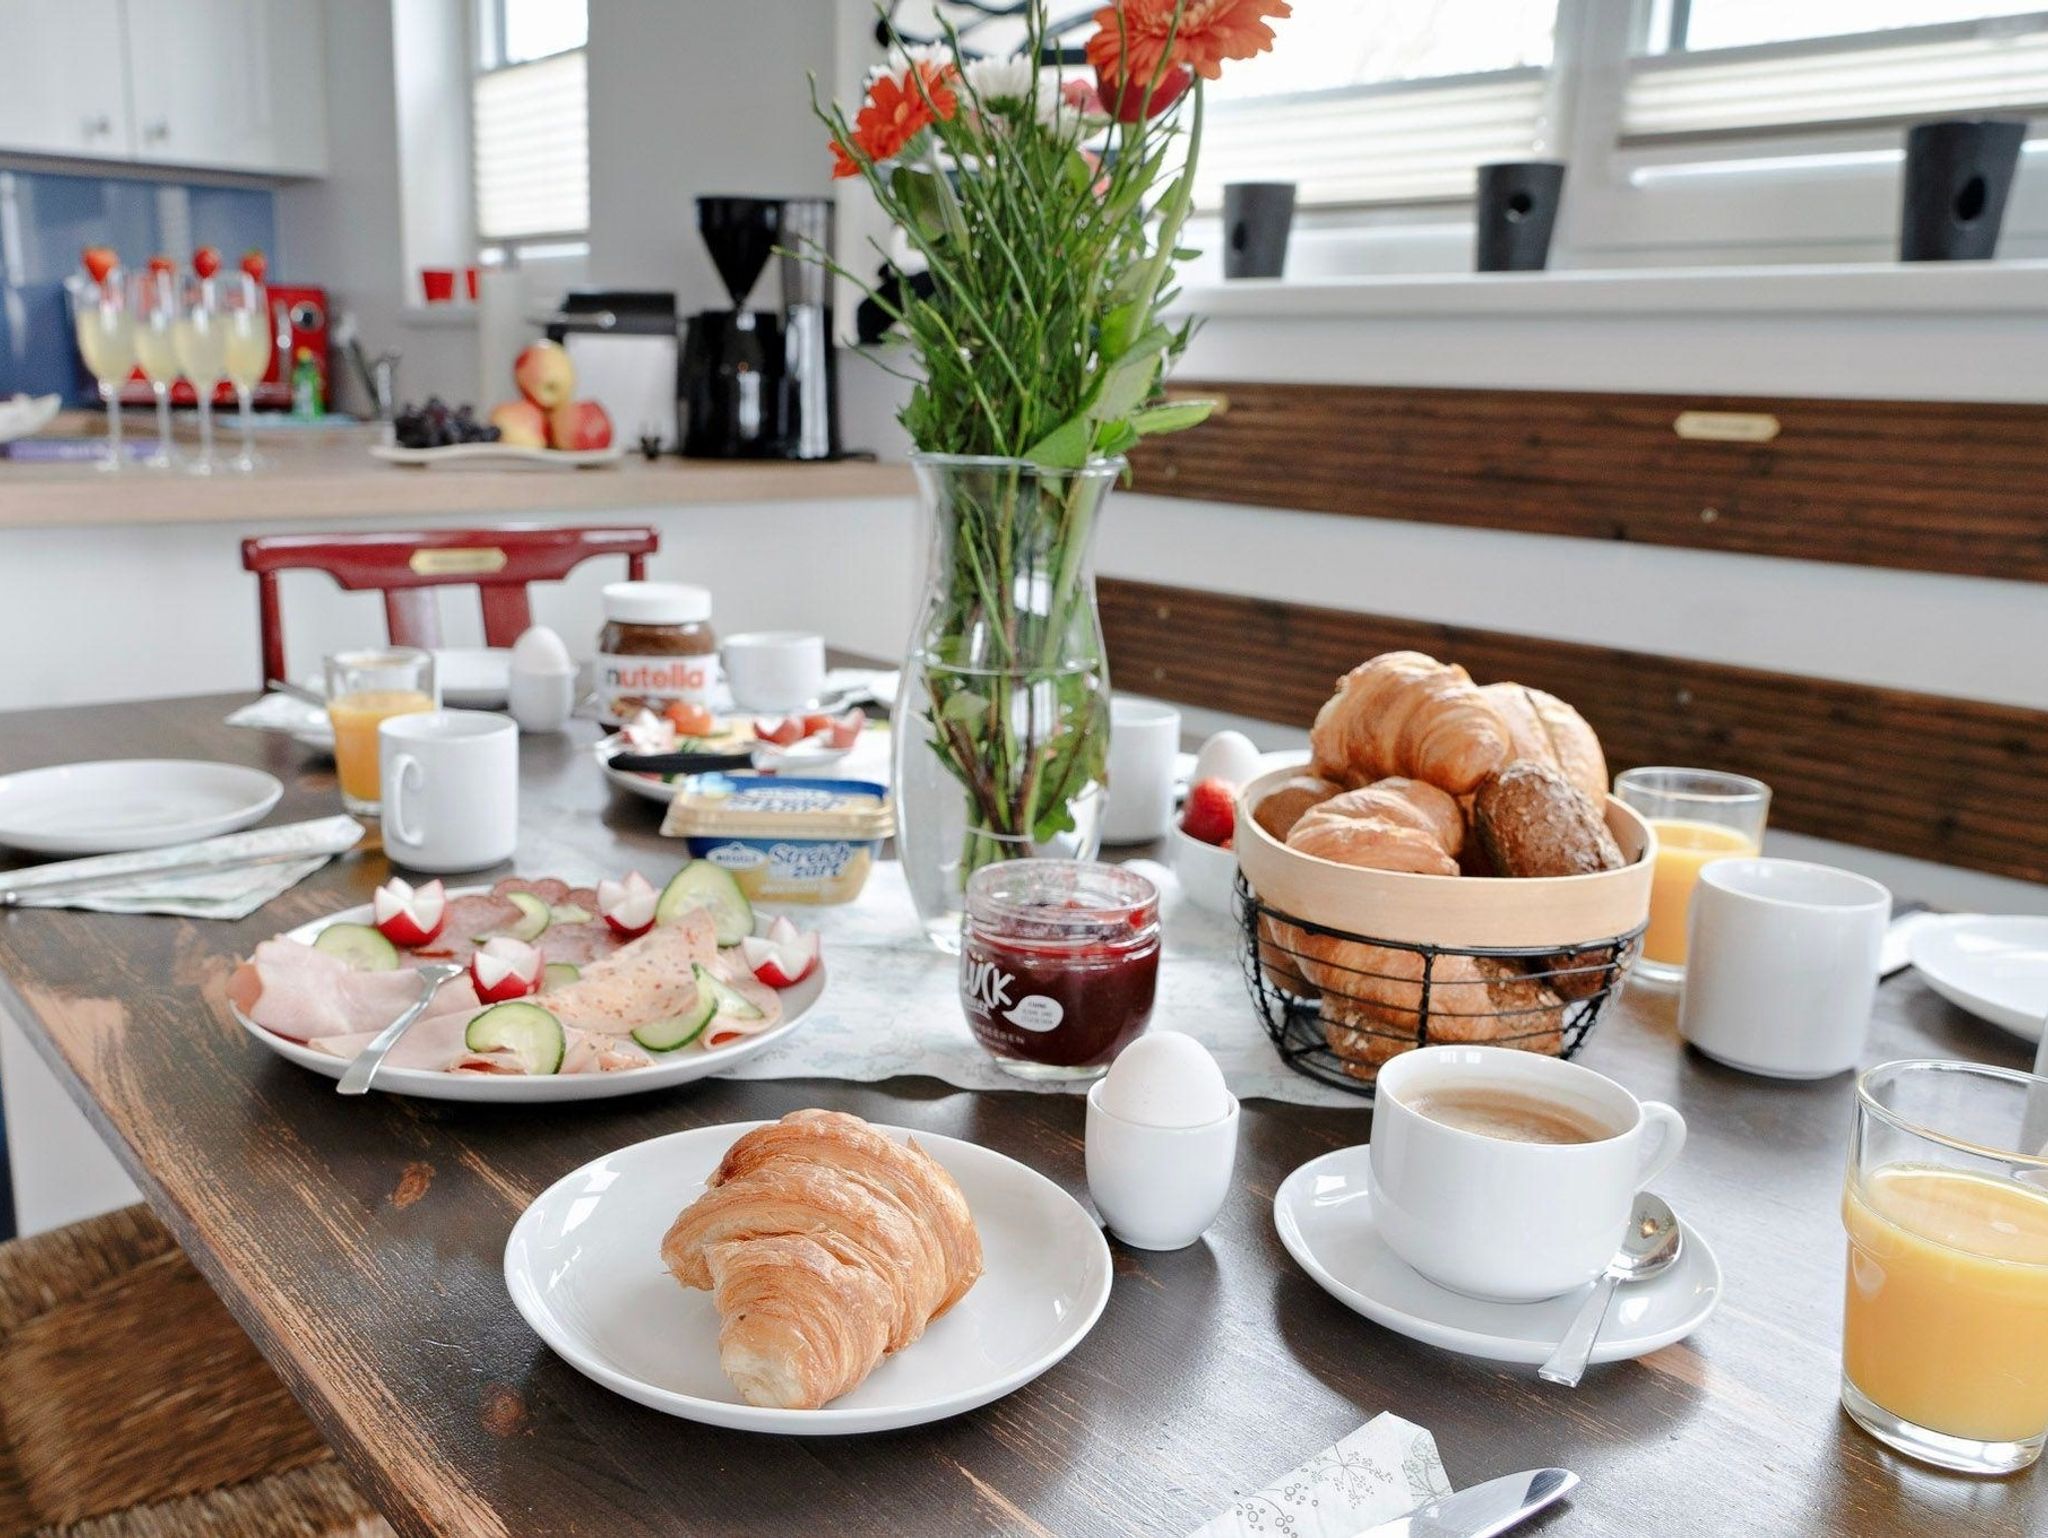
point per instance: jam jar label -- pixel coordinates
(657, 680)
(986, 988)
(1036, 1012)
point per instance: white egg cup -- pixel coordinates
(1158, 1188)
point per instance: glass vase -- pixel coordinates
(1002, 717)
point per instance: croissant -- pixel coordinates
(1403, 713)
(1544, 728)
(826, 1245)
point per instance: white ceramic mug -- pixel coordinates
(777, 670)
(451, 789)
(1781, 966)
(1158, 1188)
(1144, 737)
(1500, 1219)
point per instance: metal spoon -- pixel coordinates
(357, 1080)
(1652, 1246)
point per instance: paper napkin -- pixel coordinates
(227, 894)
(1384, 1469)
(282, 713)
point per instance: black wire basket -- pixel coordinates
(1338, 1004)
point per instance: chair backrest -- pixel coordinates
(498, 562)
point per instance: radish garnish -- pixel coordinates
(504, 968)
(628, 906)
(784, 957)
(409, 916)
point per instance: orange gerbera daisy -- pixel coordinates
(894, 113)
(1210, 31)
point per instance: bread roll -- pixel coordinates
(1404, 713)
(1283, 805)
(1532, 822)
(1544, 728)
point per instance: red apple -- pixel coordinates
(544, 375)
(579, 425)
(520, 422)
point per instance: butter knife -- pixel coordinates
(1481, 1511)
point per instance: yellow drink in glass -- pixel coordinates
(202, 348)
(1945, 1321)
(249, 347)
(355, 718)
(156, 349)
(106, 340)
(1682, 848)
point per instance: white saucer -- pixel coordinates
(1324, 1214)
(584, 1268)
(117, 804)
(1996, 968)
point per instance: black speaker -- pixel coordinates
(1517, 212)
(1958, 176)
(1257, 218)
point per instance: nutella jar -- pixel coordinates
(657, 647)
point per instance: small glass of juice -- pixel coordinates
(363, 689)
(1945, 1318)
(1698, 815)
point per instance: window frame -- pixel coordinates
(488, 58)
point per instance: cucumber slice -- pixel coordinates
(679, 1030)
(532, 1034)
(724, 1000)
(559, 974)
(359, 945)
(535, 916)
(700, 884)
(570, 913)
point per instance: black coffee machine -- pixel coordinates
(762, 384)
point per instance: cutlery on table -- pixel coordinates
(296, 691)
(1652, 1246)
(15, 896)
(678, 763)
(1481, 1511)
(357, 1080)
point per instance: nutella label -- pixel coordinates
(656, 680)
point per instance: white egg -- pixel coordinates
(1228, 756)
(1165, 1079)
(540, 650)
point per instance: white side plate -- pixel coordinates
(116, 804)
(684, 1066)
(497, 456)
(584, 1268)
(1996, 968)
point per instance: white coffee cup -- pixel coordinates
(1498, 1218)
(451, 789)
(1781, 966)
(778, 670)
(1144, 737)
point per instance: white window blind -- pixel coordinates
(532, 149)
(1406, 142)
(1876, 78)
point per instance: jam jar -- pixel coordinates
(657, 647)
(1059, 960)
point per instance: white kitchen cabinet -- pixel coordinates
(234, 85)
(63, 78)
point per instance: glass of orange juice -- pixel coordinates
(1945, 1318)
(363, 689)
(1698, 815)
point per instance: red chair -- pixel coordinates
(499, 563)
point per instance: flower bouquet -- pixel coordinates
(1047, 209)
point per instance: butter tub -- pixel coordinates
(784, 840)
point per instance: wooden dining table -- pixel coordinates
(360, 1243)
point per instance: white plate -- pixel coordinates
(584, 1268)
(428, 1084)
(23, 415)
(653, 787)
(1996, 968)
(498, 456)
(1324, 1213)
(472, 677)
(117, 804)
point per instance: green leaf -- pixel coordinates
(965, 706)
(1117, 437)
(1066, 446)
(1173, 417)
(1119, 322)
(920, 201)
(1126, 386)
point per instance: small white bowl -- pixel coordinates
(1207, 874)
(1158, 1188)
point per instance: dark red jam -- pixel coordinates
(1059, 960)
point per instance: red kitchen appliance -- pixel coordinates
(298, 318)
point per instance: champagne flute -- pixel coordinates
(154, 303)
(202, 346)
(106, 340)
(246, 310)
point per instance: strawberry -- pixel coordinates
(254, 263)
(162, 264)
(206, 261)
(1210, 813)
(101, 260)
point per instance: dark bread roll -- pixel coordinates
(1531, 821)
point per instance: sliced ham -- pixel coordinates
(730, 968)
(643, 981)
(301, 993)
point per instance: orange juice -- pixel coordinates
(1946, 1319)
(1682, 848)
(355, 718)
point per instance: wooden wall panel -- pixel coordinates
(1957, 781)
(1928, 486)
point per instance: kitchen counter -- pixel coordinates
(321, 475)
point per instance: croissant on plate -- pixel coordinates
(826, 1245)
(1406, 714)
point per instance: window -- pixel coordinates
(530, 122)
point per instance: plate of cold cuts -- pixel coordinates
(567, 993)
